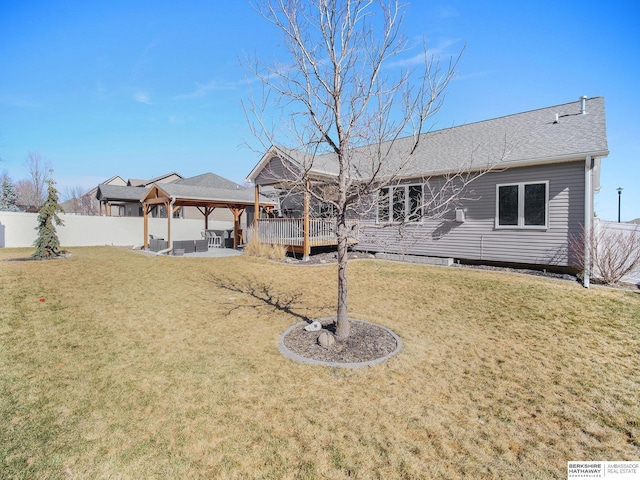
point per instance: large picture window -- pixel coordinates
(522, 205)
(401, 203)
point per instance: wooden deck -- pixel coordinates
(290, 232)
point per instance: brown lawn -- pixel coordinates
(136, 366)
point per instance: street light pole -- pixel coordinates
(619, 196)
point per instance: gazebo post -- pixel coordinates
(237, 212)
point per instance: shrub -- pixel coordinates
(614, 252)
(47, 243)
(266, 250)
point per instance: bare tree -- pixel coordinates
(32, 190)
(80, 202)
(26, 194)
(350, 108)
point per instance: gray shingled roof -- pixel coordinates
(210, 180)
(207, 186)
(526, 138)
(120, 193)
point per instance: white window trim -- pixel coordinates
(407, 203)
(521, 225)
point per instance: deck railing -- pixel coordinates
(290, 231)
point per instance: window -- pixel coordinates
(522, 205)
(400, 203)
(326, 210)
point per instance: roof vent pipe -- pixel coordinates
(583, 105)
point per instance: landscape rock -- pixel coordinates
(326, 339)
(313, 327)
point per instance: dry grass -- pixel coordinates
(139, 366)
(266, 250)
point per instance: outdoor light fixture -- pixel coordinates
(619, 197)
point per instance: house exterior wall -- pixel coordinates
(134, 209)
(168, 179)
(221, 214)
(275, 171)
(478, 239)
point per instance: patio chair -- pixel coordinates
(213, 240)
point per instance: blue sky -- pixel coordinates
(142, 88)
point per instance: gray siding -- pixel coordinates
(276, 171)
(478, 239)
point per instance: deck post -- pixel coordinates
(145, 213)
(306, 246)
(256, 212)
(167, 207)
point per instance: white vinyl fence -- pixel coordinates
(624, 229)
(18, 229)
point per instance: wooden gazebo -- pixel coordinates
(205, 199)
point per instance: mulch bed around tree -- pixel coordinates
(367, 342)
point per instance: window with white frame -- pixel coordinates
(400, 203)
(522, 205)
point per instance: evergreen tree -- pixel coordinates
(8, 196)
(47, 244)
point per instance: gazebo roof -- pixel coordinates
(193, 195)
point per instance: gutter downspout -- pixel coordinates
(588, 219)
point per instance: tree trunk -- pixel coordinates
(342, 319)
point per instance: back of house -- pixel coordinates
(530, 195)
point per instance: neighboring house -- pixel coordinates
(538, 173)
(122, 199)
(87, 204)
